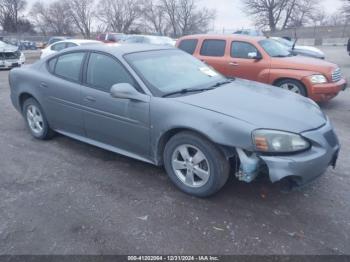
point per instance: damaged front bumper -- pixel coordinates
(8, 64)
(11, 60)
(307, 166)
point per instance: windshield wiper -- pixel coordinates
(188, 90)
(193, 90)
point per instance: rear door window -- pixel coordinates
(242, 49)
(189, 45)
(69, 66)
(213, 47)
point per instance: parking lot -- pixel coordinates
(66, 197)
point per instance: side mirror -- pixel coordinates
(127, 91)
(254, 55)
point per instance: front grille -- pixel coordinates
(10, 55)
(336, 75)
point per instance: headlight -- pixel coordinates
(318, 79)
(271, 141)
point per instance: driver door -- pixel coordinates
(120, 123)
(243, 66)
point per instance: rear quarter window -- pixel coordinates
(189, 46)
(51, 65)
(213, 47)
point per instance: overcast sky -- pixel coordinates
(231, 16)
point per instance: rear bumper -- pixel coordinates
(309, 165)
(325, 92)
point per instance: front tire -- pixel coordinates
(293, 86)
(36, 120)
(195, 165)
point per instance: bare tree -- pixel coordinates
(191, 20)
(52, 18)
(9, 12)
(318, 18)
(170, 7)
(119, 15)
(153, 17)
(184, 17)
(303, 13)
(82, 13)
(345, 10)
(278, 14)
(337, 19)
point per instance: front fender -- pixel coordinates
(168, 115)
(278, 74)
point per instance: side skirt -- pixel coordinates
(106, 147)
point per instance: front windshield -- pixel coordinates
(168, 71)
(275, 49)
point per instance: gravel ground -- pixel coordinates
(66, 197)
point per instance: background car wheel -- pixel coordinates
(293, 86)
(36, 120)
(195, 165)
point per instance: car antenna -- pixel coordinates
(296, 39)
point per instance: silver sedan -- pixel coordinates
(165, 107)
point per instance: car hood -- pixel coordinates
(260, 105)
(309, 48)
(6, 48)
(303, 63)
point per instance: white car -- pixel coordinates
(10, 56)
(58, 46)
(149, 39)
(302, 50)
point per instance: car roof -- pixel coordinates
(120, 50)
(78, 41)
(225, 37)
(151, 36)
(58, 37)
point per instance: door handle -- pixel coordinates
(90, 99)
(233, 64)
(43, 85)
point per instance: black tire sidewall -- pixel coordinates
(46, 134)
(219, 167)
(301, 87)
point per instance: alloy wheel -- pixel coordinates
(35, 119)
(191, 166)
(291, 87)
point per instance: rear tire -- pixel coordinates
(195, 165)
(292, 85)
(36, 120)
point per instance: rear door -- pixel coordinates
(63, 93)
(121, 123)
(240, 65)
(213, 52)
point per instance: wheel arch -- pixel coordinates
(281, 79)
(23, 97)
(166, 136)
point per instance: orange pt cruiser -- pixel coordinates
(265, 60)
